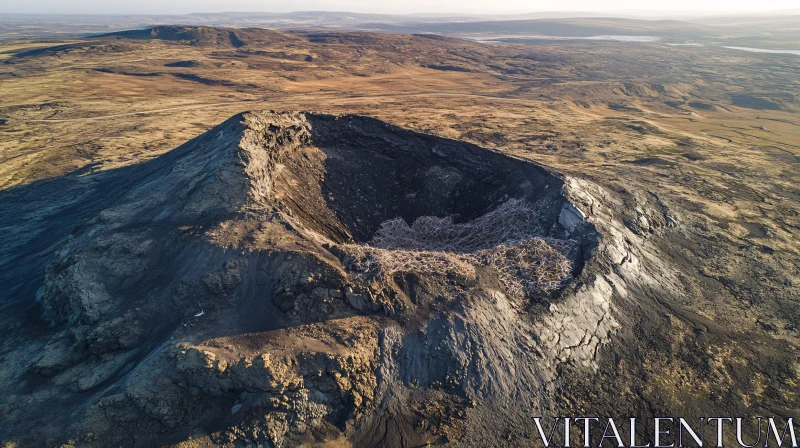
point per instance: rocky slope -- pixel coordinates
(251, 287)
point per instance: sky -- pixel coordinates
(387, 6)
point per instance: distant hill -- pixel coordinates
(763, 31)
(581, 27)
(202, 35)
(782, 24)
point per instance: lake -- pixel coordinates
(761, 50)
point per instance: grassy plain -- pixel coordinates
(713, 133)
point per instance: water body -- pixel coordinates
(504, 38)
(625, 38)
(761, 50)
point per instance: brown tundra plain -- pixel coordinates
(250, 237)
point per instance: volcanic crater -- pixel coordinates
(292, 277)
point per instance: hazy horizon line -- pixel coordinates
(646, 12)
